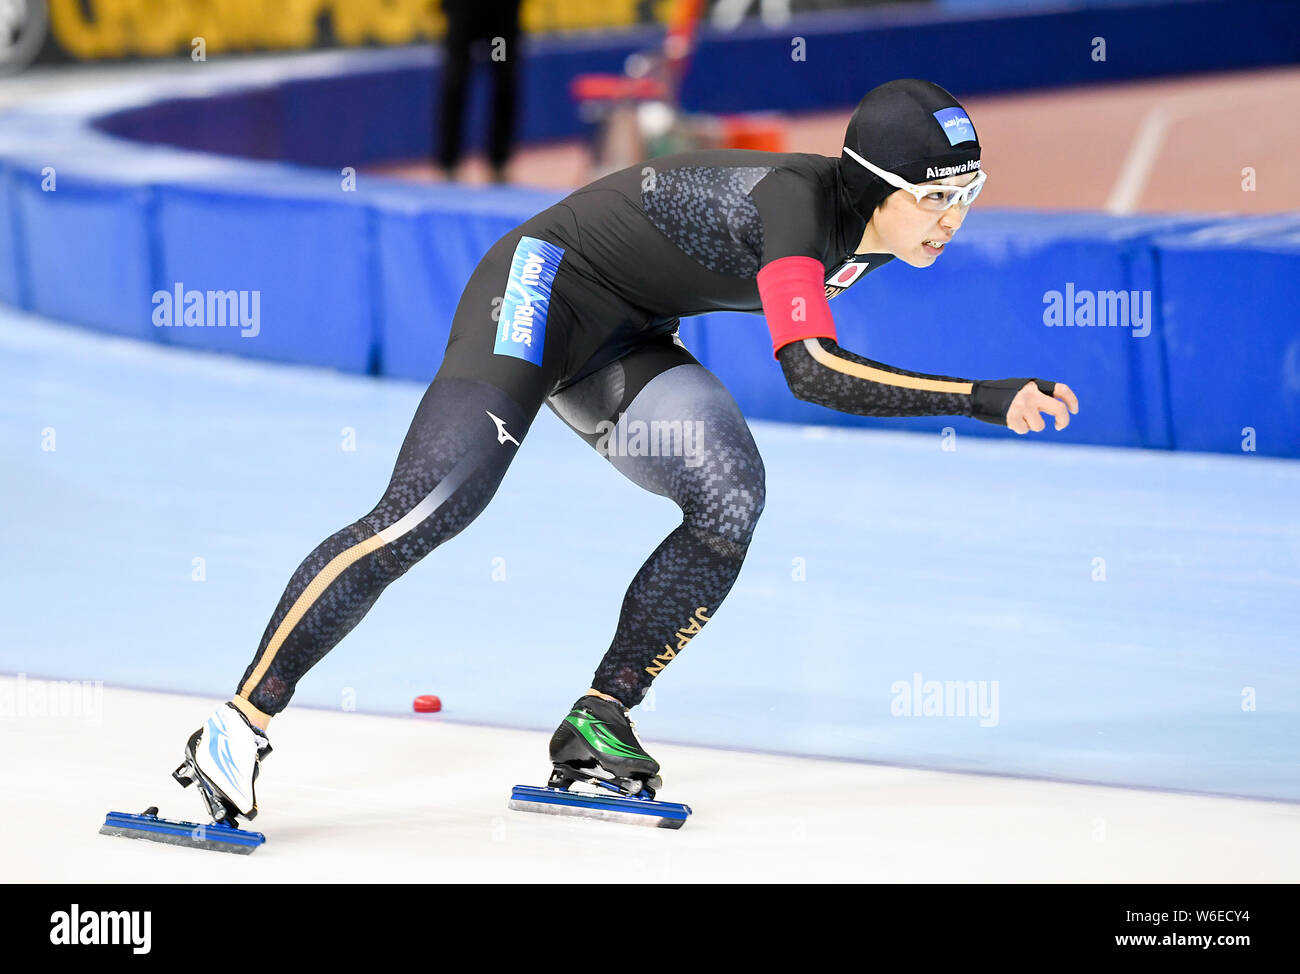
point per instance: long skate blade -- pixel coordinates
(215, 837)
(608, 808)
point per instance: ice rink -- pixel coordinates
(159, 500)
(355, 798)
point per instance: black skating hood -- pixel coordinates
(909, 127)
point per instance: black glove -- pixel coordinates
(989, 401)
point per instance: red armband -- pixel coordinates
(793, 291)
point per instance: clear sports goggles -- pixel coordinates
(928, 197)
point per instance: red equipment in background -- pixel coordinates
(638, 114)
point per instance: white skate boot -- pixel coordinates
(224, 756)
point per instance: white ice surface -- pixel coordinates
(352, 798)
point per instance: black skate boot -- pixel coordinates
(597, 743)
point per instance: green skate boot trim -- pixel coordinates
(601, 737)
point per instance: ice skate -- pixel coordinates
(224, 758)
(596, 748)
(597, 743)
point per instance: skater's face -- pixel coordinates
(912, 233)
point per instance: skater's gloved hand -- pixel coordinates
(1018, 403)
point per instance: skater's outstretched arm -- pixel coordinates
(818, 370)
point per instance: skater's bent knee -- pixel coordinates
(725, 496)
(366, 531)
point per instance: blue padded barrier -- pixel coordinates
(13, 276)
(306, 259)
(86, 251)
(425, 252)
(1231, 310)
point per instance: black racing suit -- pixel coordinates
(578, 308)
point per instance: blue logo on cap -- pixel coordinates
(956, 125)
(521, 331)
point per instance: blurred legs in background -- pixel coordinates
(728, 14)
(494, 23)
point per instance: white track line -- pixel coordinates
(1142, 155)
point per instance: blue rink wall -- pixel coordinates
(366, 277)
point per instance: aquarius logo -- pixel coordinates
(522, 332)
(956, 125)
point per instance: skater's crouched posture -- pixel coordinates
(578, 309)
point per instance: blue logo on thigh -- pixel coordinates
(521, 331)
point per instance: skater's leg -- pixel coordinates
(448, 469)
(713, 473)
(466, 431)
